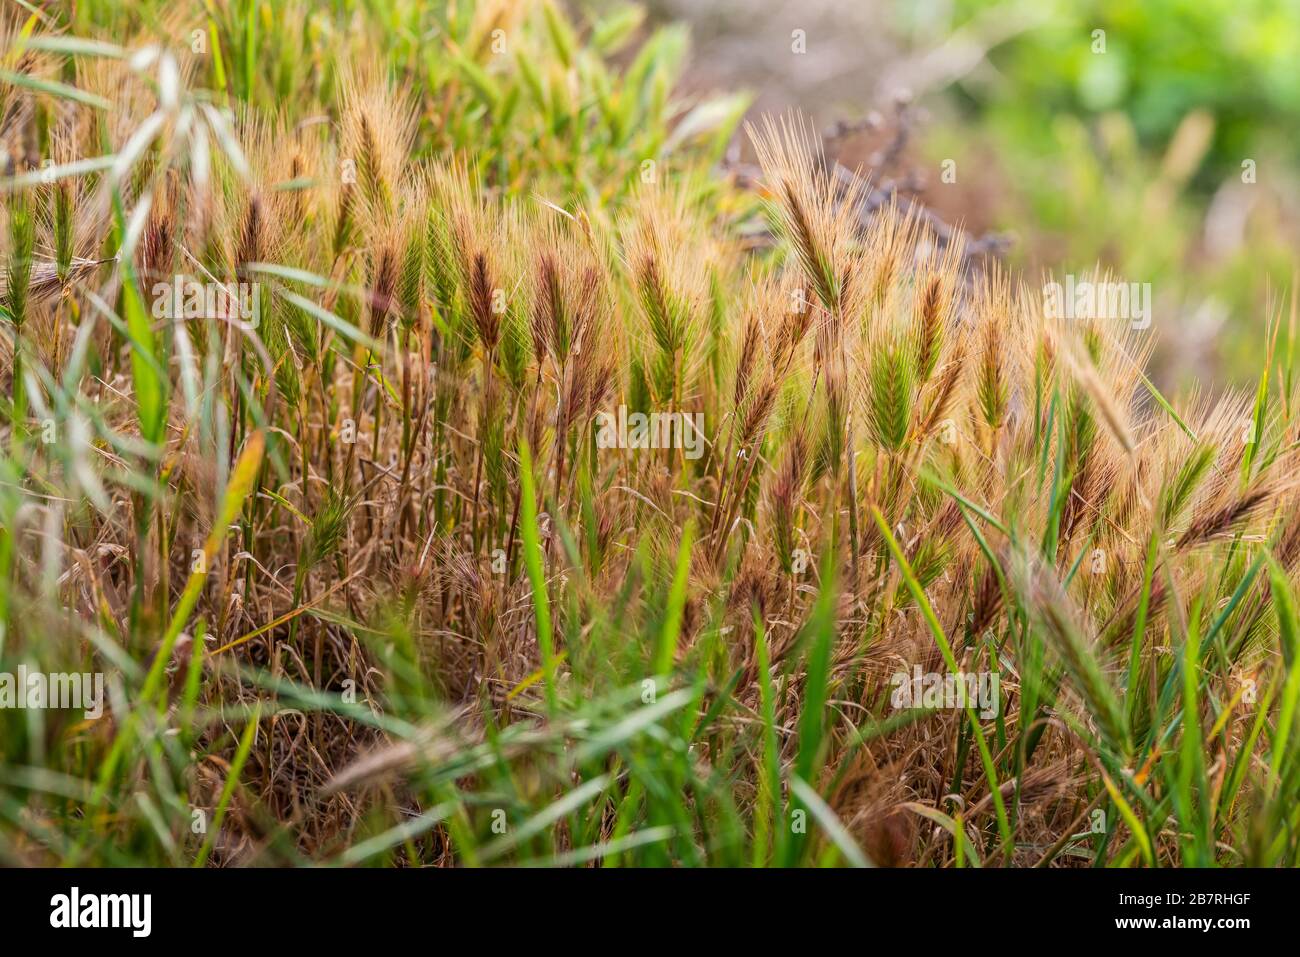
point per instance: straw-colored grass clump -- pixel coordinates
(362, 575)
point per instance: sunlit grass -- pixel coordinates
(369, 591)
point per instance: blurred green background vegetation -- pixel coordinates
(1123, 148)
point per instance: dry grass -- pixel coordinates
(363, 576)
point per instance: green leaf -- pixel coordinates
(537, 575)
(60, 90)
(150, 386)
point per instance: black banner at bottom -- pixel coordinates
(340, 907)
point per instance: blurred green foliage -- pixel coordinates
(1160, 148)
(1157, 61)
(569, 101)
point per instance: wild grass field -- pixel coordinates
(326, 333)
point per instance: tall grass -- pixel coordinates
(369, 591)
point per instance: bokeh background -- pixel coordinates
(1133, 149)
